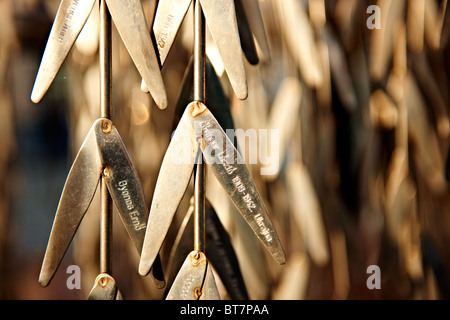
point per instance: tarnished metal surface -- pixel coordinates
(122, 180)
(219, 250)
(174, 175)
(73, 204)
(195, 281)
(168, 18)
(105, 288)
(102, 152)
(231, 171)
(129, 19)
(221, 19)
(69, 20)
(233, 176)
(362, 162)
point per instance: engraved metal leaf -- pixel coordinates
(231, 171)
(174, 175)
(70, 19)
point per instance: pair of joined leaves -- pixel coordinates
(103, 153)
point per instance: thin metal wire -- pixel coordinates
(199, 53)
(105, 52)
(199, 95)
(106, 112)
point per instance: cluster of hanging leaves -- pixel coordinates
(359, 99)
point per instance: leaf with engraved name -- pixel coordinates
(123, 183)
(70, 19)
(125, 189)
(102, 152)
(230, 169)
(168, 18)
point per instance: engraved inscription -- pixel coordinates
(126, 194)
(250, 204)
(67, 22)
(165, 32)
(135, 219)
(221, 153)
(262, 227)
(186, 286)
(134, 215)
(247, 197)
(238, 184)
(208, 135)
(223, 157)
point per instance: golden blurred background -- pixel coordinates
(364, 128)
